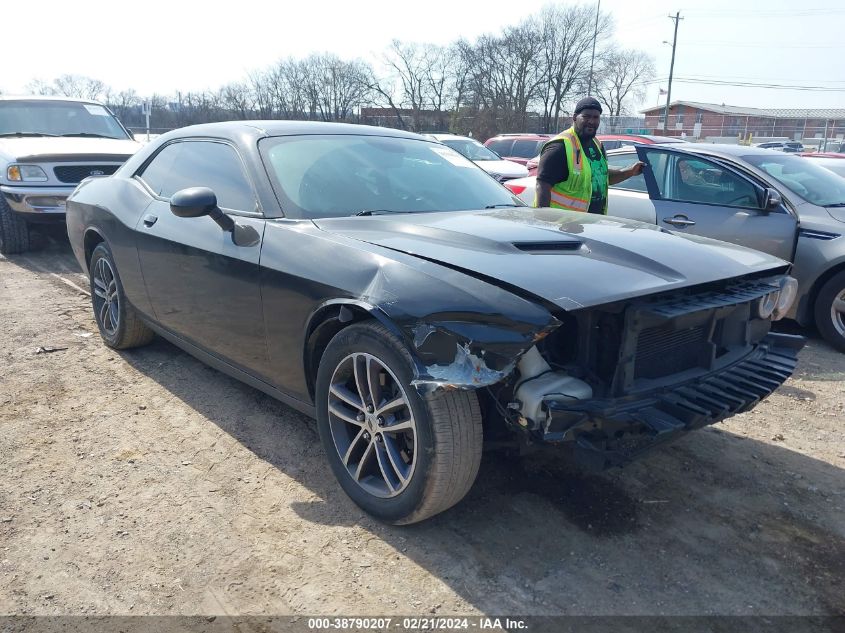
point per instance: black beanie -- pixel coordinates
(587, 103)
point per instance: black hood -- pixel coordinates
(570, 259)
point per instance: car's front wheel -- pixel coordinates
(119, 324)
(400, 457)
(830, 311)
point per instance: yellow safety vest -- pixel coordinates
(576, 191)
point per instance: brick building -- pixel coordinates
(711, 120)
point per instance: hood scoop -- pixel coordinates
(543, 248)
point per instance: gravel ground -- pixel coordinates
(147, 483)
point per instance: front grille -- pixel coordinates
(74, 174)
(662, 351)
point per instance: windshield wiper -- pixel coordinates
(89, 134)
(506, 204)
(378, 211)
(27, 134)
(835, 204)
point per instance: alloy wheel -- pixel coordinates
(106, 299)
(372, 425)
(837, 312)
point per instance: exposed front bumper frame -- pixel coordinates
(610, 432)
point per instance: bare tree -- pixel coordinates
(122, 103)
(334, 87)
(237, 98)
(40, 87)
(79, 86)
(567, 35)
(411, 67)
(621, 79)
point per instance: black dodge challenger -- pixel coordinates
(384, 284)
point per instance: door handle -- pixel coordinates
(679, 220)
(150, 219)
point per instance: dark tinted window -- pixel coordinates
(161, 167)
(201, 164)
(328, 176)
(526, 149)
(502, 147)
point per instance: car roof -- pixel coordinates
(46, 98)
(263, 128)
(714, 149)
(645, 138)
(529, 136)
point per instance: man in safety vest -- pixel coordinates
(573, 172)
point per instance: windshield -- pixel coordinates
(337, 175)
(57, 118)
(836, 165)
(471, 149)
(802, 177)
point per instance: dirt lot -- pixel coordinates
(147, 483)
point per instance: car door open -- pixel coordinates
(694, 194)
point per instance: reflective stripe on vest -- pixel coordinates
(568, 202)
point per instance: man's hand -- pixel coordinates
(618, 175)
(636, 169)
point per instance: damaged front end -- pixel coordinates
(614, 380)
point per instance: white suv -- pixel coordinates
(48, 145)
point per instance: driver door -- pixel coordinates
(694, 194)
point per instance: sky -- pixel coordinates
(165, 46)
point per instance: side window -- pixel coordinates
(613, 144)
(502, 147)
(214, 165)
(157, 172)
(525, 149)
(689, 179)
(619, 161)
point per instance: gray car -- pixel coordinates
(780, 204)
(774, 202)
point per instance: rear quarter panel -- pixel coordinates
(111, 207)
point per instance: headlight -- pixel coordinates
(766, 305)
(26, 173)
(788, 292)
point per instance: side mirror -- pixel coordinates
(193, 202)
(196, 202)
(772, 200)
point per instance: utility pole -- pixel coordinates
(593, 56)
(676, 18)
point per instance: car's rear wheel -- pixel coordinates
(830, 311)
(400, 457)
(118, 322)
(14, 231)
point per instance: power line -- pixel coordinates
(748, 84)
(716, 14)
(716, 43)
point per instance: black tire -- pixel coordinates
(829, 321)
(442, 454)
(14, 231)
(118, 322)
